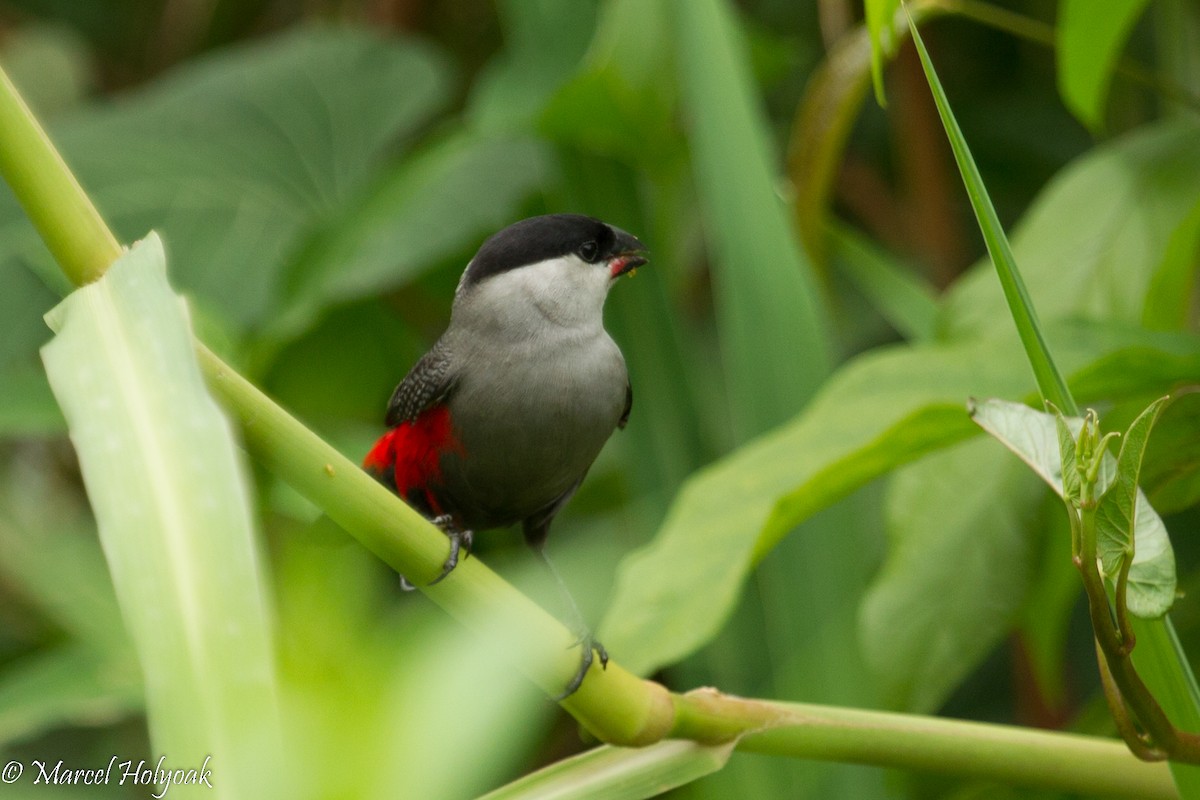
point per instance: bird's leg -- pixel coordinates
(460, 544)
(585, 638)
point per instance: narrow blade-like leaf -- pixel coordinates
(770, 316)
(1050, 381)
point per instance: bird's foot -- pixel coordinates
(590, 650)
(460, 545)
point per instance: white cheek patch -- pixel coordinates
(567, 290)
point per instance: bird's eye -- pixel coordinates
(588, 251)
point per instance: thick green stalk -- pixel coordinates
(60, 210)
(614, 704)
(1021, 756)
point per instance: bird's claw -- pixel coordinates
(589, 647)
(461, 543)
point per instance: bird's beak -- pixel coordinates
(631, 254)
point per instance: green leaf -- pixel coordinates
(1091, 34)
(1034, 437)
(1020, 305)
(1171, 472)
(1169, 302)
(619, 105)
(164, 478)
(544, 43)
(879, 14)
(236, 155)
(26, 405)
(1126, 524)
(956, 573)
(52, 559)
(1098, 236)
(71, 684)
(1050, 603)
(428, 208)
(1072, 483)
(880, 410)
(617, 773)
(904, 300)
(763, 286)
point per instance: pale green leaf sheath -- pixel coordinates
(169, 493)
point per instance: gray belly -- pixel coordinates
(530, 424)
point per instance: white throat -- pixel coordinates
(565, 293)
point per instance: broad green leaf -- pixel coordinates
(619, 105)
(164, 478)
(428, 208)
(619, 773)
(22, 330)
(878, 411)
(1125, 520)
(881, 410)
(1049, 605)
(901, 297)
(1091, 34)
(1171, 472)
(53, 566)
(1169, 298)
(52, 560)
(26, 405)
(764, 289)
(236, 155)
(544, 42)
(70, 684)
(957, 570)
(445, 697)
(1034, 437)
(1094, 239)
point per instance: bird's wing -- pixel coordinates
(624, 420)
(427, 384)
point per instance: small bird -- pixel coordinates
(499, 422)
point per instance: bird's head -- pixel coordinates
(558, 266)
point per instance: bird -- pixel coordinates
(499, 422)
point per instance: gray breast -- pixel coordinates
(531, 417)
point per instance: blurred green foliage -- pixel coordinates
(793, 511)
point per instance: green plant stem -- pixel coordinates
(614, 704)
(60, 210)
(1055, 761)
